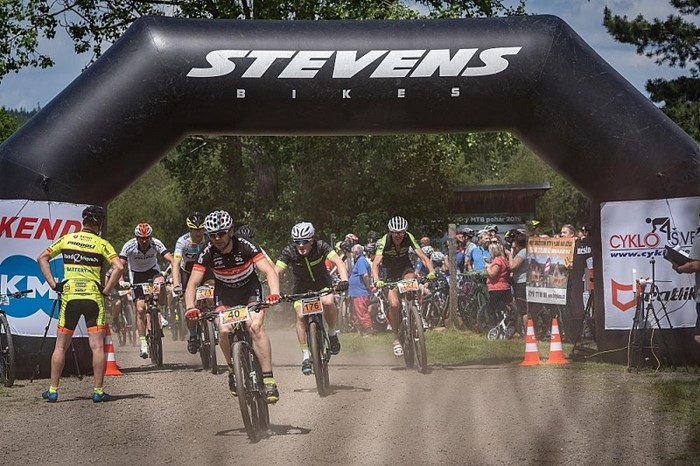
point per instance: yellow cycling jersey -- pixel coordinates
(83, 256)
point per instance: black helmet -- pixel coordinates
(195, 221)
(371, 248)
(373, 236)
(246, 231)
(94, 214)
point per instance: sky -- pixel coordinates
(32, 88)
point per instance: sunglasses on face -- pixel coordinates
(218, 234)
(302, 242)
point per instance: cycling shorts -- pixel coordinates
(250, 293)
(72, 309)
(394, 275)
(143, 277)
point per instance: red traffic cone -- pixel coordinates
(556, 353)
(111, 367)
(532, 354)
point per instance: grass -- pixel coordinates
(682, 400)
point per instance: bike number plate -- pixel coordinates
(405, 286)
(205, 292)
(311, 306)
(234, 315)
(151, 288)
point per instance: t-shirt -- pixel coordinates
(479, 258)
(357, 285)
(520, 274)
(500, 282)
(84, 254)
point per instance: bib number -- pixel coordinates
(234, 315)
(311, 306)
(405, 286)
(151, 288)
(205, 292)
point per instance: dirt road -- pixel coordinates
(379, 413)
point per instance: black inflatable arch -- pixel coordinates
(167, 78)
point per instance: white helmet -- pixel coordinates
(437, 257)
(303, 230)
(427, 250)
(217, 221)
(397, 224)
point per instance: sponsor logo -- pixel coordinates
(18, 273)
(37, 228)
(346, 64)
(624, 298)
(647, 244)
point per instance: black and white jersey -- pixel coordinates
(141, 261)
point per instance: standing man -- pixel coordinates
(361, 290)
(693, 266)
(81, 295)
(307, 256)
(480, 255)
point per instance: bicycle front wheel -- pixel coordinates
(418, 340)
(246, 396)
(317, 356)
(156, 338)
(405, 338)
(213, 367)
(204, 342)
(7, 353)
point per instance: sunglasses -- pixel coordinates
(302, 242)
(218, 234)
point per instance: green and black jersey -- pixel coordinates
(395, 258)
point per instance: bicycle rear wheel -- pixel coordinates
(7, 353)
(122, 329)
(213, 367)
(246, 397)
(317, 357)
(486, 320)
(418, 340)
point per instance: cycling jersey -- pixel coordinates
(310, 272)
(188, 251)
(140, 261)
(83, 256)
(395, 258)
(233, 269)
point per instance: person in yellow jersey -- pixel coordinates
(82, 294)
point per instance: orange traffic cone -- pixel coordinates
(532, 354)
(111, 367)
(556, 354)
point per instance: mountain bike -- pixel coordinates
(176, 320)
(316, 336)
(154, 329)
(7, 348)
(124, 325)
(505, 328)
(207, 330)
(346, 320)
(472, 295)
(411, 333)
(246, 368)
(434, 307)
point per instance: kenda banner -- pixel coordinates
(548, 274)
(633, 235)
(26, 229)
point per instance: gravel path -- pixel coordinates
(379, 413)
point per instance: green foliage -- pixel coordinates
(674, 41)
(8, 125)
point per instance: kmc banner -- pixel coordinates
(26, 229)
(633, 235)
(549, 262)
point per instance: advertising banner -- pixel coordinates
(26, 229)
(634, 235)
(549, 262)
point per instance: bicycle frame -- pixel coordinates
(154, 330)
(411, 332)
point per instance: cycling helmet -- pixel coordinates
(373, 237)
(491, 228)
(143, 230)
(427, 250)
(371, 248)
(217, 221)
(466, 231)
(195, 221)
(397, 224)
(247, 231)
(94, 214)
(351, 238)
(303, 230)
(437, 257)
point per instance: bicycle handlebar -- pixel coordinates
(308, 294)
(256, 307)
(16, 294)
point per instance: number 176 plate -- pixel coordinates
(311, 306)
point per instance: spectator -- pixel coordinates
(498, 280)
(361, 290)
(534, 228)
(567, 231)
(480, 255)
(517, 261)
(469, 246)
(424, 241)
(693, 266)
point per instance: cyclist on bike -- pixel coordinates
(141, 254)
(81, 295)
(393, 252)
(233, 260)
(306, 256)
(187, 250)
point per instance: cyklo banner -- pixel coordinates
(633, 235)
(549, 262)
(26, 229)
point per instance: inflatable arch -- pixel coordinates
(167, 78)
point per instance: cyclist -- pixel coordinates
(393, 252)
(141, 254)
(187, 250)
(306, 256)
(82, 295)
(233, 260)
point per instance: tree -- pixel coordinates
(674, 41)
(8, 125)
